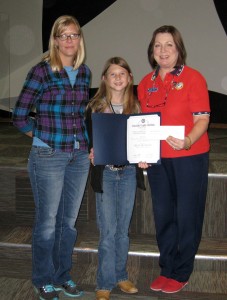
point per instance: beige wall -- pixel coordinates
(125, 29)
(22, 40)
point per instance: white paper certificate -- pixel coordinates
(143, 137)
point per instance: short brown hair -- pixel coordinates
(177, 40)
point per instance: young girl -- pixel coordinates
(115, 186)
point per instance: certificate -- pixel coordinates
(123, 139)
(140, 144)
(143, 137)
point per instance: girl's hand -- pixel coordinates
(143, 165)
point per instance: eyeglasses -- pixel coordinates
(64, 37)
(156, 105)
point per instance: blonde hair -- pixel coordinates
(102, 99)
(52, 55)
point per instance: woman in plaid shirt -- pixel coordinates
(58, 165)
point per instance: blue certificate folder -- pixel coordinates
(109, 133)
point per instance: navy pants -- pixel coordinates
(178, 189)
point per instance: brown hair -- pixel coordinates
(177, 40)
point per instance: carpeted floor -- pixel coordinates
(208, 281)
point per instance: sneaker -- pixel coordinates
(69, 288)
(158, 283)
(173, 286)
(47, 292)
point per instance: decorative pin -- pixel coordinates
(178, 85)
(153, 89)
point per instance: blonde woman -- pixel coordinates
(58, 87)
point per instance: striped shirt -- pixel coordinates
(59, 107)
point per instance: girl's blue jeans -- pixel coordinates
(114, 210)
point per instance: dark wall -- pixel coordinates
(83, 10)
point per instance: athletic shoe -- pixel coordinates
(47, 292)
(158, 283)
(69, 288)
(173, 286)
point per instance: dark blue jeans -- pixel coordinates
(178, 189)
(58, 181)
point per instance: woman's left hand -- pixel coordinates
(175, 143)
(201, 123)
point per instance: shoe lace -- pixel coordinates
(71, 283)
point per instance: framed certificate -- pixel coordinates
(141, 145)
(127, 139)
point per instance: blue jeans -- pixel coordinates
(114, 210)
(58, 181)
(178, 189)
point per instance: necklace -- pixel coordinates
(116, 108)
(176, 72)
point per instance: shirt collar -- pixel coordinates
(176, 72)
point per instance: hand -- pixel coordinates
(143, 165)
(175, 143)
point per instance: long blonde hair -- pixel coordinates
(102, 99)
(52, 55)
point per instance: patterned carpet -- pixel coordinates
(208, 281)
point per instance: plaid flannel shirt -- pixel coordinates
(59, 107)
